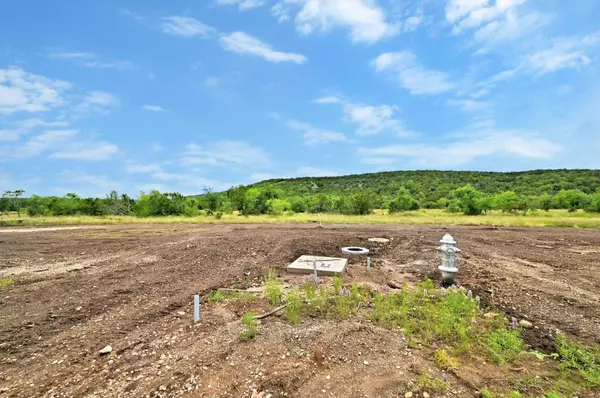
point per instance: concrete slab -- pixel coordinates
(326, 266)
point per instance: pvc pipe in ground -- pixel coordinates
(196, 308)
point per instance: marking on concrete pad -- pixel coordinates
(326, 266)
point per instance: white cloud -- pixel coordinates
(412, 76)
(38, 144)
(315, 136)
(242, 43)
(211, 81)
(154, 108)
(469, 105)
(565, 53)
(92, 60)
(71, 55)
(468, 147)
(243, 5)
(131, 14)
(95, 102)
(366, 21)
(225, 153)
(26, 92)
(21, 127)
(92, 151)
(134, 168)
(370, 119)
(310, 171)
(157, 147)
(376, 161)
(186, 27)
(280, 12)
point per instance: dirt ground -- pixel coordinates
(131, 287)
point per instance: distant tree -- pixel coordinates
(544, 201)
(469, 200)
(13, 198)
(571, 199)
(594, 204)
(278, 206)
(362, 203)
(298, 204)
(403, 201)
(507, 201)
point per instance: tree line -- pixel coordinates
(272, 199)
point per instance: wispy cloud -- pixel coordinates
(131, 14)
(90, 151)
(241, 43)
(371, 119)
(92, 60)
(315, 136)
(411, 75)
(465, 148)
(243, 5)
(187, 27)
(366, 21)
(154, 108)
(230, 153)
(95, 102)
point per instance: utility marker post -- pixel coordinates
(196, 309)
(368, 263)
(315, 275)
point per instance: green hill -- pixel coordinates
(434, 184)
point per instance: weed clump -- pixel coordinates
(216, 297)
(273, 288)
(579, 359)
(505, 345)
(292, 310)
(6, 282)
(252, 329)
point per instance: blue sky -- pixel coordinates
(181, 95)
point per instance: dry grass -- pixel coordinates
(555, 218)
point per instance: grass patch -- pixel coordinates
(273, 289)
(576, 358)
(445, 361)
(553, 218)
(6, 282)
(252, 328)
(216, 297)
(505, 345)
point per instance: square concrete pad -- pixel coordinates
(326, 266)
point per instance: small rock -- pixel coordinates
(328, 377)
(106, 350)
(394, 284)
(181, 313)
(162, 388)
(490, 315)
(425, 394)
(408, 394)
(78, 308)
(366, 363)
(525, 324)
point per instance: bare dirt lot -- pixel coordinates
(79, 290)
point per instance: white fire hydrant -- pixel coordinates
(448, 251)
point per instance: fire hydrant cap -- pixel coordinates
(448, 239)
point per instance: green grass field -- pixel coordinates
(554, 218)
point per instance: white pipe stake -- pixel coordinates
(196, 309)
(368, 263)
(315, 276)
